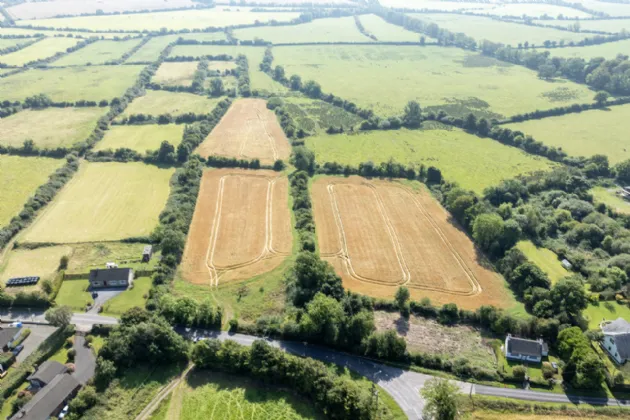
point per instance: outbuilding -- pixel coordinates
(147, 253)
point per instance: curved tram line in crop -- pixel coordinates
(215, 271)
(406, 278)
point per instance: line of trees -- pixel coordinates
(244, 86)
(362, 29)
(18, 47)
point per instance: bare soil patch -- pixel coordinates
(380, 235)
(241, 226)
(248, 131)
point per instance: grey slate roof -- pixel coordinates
(47, 371)
(619, 326)
(6, 335)
(623, 345)
(619, 330)
(49, 398)
(524, 347)
(109, 274)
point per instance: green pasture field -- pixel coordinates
(221, 66)
(5, 71)
(480, 28)
(88, 256)
(388, 32)
(612, 9)
(204, 36)
(151, 51)
(608, 50)
(38, 51)
(51, 33)
(610, 25)
(176, 20)
(141, 138)
(473, 162)
(42, 262)
(99, 52)
(135, 296)
(436, 5)
(341, 29)
(8, 42)
(545, 259)
(534, 10)
(104, 202)
(50, 128)
(259, 81)
(605, 310)
(608, 197)
(19, 178)
(384, 78)
(158, 102)
(176, 74)
(584, 134)
(314, 116)
(70, 84)
(74, 293)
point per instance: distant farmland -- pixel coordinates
(99, 52)
(38, 51)
(158, 102)
(141, 137)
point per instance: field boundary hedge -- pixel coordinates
(19, 47)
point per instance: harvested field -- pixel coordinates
(99, 52)
(241, 227)
(381, 235)
(104, 202)
(247, 131)
(176, 74)
(158, 102)
(40, 50)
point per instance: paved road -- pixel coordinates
(79, 319)
(38, 334)
(84, 360)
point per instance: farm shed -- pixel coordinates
(525, 350)
(147, 253)
(111, 277)
(50, 400)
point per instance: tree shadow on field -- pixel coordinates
(402, 325)
(480, 258)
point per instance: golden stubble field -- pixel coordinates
(241, 226)
(380, 235)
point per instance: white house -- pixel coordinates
(617, 339)
(525, 350)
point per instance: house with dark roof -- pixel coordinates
(111, 277)
(46, 373)
(617, 339)
(525, 350)
(8, 336)
(50, 400)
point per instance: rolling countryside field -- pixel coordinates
(43, 49)
(609, 50)
(176, 74)
(604, 25)
(385, 78)
(158, 102)
(140, 137)
(150, 51)
(388, 32)
(100, 52)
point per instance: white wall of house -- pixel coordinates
(611, 347)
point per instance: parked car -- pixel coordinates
(17, 350)
(94, 295)
(64, 412)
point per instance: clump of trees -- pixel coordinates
(584, 368)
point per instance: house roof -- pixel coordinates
(109, 274)
(6, 335)
(619, 326)
(49, 398)
(524, 347)
(622, 342)
(47, 371)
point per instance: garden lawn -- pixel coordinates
(176, 74)
(384, 78)
(545, 259)
(158, 102)
(175, 20)
(70, 84)
(608, 311)
(40, 50)
(19, 178)
(508, 33)
(99, 52)
(73, 293)
(341, 29)
(388, 32)
(42, 262)
(50, 128)
(612, 200)
(130, 298)
(141, 138)
(474, 163)
(584, 134)
(105, 201)
(88, 256)
(151, 51)
(608, 50)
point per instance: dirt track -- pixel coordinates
(241, 226)
(248, 131)
(380, 235)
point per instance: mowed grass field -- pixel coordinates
(130, 298)
(158, 102)
(51, 127)
(70, 84)
(584, 134)
(19, 178)
(104, 202)
(388, 32)
(545, 259)
(341, 29)
(99, 52)
(175, 20)
(38, 51)
(611, 199)
(176, 74)
(474, 163)
(608, 50)
(42, 262)
(508, 33)
(605, 310)
(141, 137)
(150, 51)
(385, 78)
(74, 293)
(88, 256)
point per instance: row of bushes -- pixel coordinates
(140, 119)
(563, 110)
(187, 58)
(18, 47)
(60, 54)
(244, 85)
(361, 28)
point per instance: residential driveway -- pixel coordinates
(103, 296)
(38, 334)
(84, 360)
